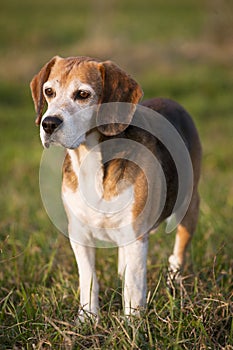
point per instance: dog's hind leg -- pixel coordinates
(185, 231)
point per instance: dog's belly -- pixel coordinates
(92, 219)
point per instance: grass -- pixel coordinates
(182, 50)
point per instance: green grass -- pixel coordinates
(179, 49)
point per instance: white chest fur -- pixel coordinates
(91, 216)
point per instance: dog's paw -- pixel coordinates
(173, 274)
(88, 317)
(134, 314)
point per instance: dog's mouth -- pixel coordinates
(47, 144)
(72, 143)
(48, 140)
(77, 142)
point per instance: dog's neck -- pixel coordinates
(87, 161)
(91, 144)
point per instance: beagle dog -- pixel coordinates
(115, 169)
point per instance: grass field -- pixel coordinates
(179, 49)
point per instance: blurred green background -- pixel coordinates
(179, 49)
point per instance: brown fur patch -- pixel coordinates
(184, 237)
(36, 86)
(69, 177)
(117, 87)
(87, 71)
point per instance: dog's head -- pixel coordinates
(74, 84)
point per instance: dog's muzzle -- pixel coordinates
(51, 123)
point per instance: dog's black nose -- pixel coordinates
(50, 124)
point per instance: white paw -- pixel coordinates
(131, 313)
(174, 271)
(85, 316)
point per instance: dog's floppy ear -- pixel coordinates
(118, 86)
(36, 86)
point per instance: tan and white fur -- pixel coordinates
(70, 86)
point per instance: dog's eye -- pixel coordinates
(49, 92)
(81, 95)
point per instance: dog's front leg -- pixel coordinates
(89, 289)
(134, 257)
